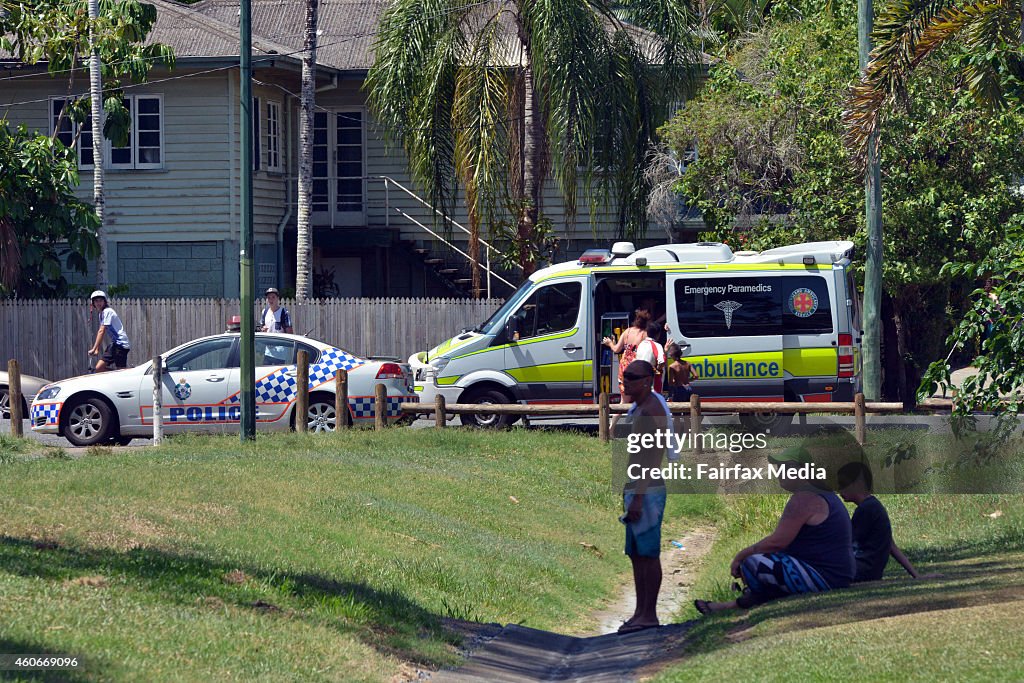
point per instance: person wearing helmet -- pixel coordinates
(275, 317)
(111, 327)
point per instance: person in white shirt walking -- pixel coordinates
(110, 327)
(275, 317)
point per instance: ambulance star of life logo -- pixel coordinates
(728, 307)
(803, 303)
(182, 389)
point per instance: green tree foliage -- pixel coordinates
(991, 331)
(909, 34)
(769, 132)
(498, 96)
(38, 210)
(57, 33)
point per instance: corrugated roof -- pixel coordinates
(194, 33)
(347, 28)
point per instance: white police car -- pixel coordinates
(201, 391)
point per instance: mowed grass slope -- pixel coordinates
(302, 557)
(967, 624)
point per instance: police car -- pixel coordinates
(201, 391)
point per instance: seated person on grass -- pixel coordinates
(872, 531)
(809, 551)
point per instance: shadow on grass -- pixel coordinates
(24, 647)
(970, 577)
(384, 620)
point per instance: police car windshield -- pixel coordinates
(491, 325)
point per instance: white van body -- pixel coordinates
(782, 324)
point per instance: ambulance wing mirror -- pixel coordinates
(511, 329)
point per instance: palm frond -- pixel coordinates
(907, 32)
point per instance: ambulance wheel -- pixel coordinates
(89, 421)
(766, 422)
(486, 397)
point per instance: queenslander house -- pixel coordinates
(172, 194)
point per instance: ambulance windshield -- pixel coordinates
(492, 324)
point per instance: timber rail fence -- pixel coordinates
(51, 338)
(603, 410)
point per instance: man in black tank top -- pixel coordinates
(809, 551)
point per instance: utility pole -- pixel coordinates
(247, 342)
(872, 342)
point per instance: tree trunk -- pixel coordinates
(98, 197)
(890, 351)
(533, 144)
(905, 367)
(305, 195)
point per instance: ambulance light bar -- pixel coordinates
(595, 257)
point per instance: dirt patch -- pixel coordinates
(679, 569)
(93, 581)
(235, 577)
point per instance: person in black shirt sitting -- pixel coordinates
(872, 531)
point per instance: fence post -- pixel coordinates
(603, 417)
(342, 417)
(158, 400)
(695, 419)
(858, 412)
(302, 387)
(14, 397)
(380, 407)
(440, 418)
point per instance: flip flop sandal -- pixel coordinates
(702, 606)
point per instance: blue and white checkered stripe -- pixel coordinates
(331, 361)
(279, 386)
(51, 411)
(362, 406)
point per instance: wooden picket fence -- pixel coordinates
(51, 338)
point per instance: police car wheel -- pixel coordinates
(760, 423)
(5, 404)
(89, 422)
(487, 397)
(321, 416)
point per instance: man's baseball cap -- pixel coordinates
(98, 294)
(272, 290)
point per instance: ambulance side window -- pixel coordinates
(208, 355)
(729, 306)
(806, 306)
(550, 309)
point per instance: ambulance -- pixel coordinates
(777, 325)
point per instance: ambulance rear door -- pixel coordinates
(729, 326)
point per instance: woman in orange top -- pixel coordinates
(627, 344)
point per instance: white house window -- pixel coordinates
(145, 141)
(274, 136)
(68, 131)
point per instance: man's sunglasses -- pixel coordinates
(631, 377)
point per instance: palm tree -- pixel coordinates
(303, 255)
(96, 101)
(908, 31)
(497, 95)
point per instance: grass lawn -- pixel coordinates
(303, 557)
(966, 625)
